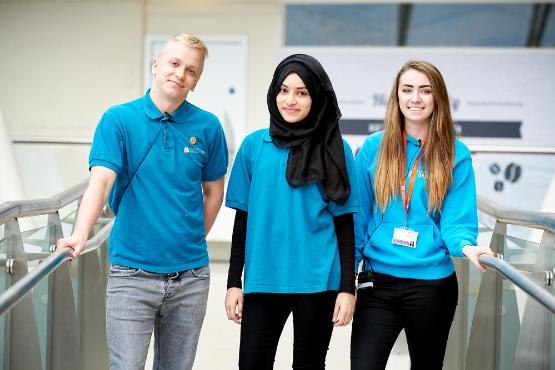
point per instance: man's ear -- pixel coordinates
(198, 78)
(154, 66)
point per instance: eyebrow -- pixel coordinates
(298, 88)
(409, 85)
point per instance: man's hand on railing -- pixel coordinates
(473, 252)
(76, 244)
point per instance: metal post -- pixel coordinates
(92, 304)
(63, 337)
(21, 336)
(534, 342)
(484, 342)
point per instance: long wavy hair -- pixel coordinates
(438, 151)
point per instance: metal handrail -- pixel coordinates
(36, 207)
(16, 292)
(545, 298)
(505, 149)
(537, 220)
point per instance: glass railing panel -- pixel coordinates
(475, 278)
(525, 327)
(68, 222)
(3, 282)
(38, 240)
(41, 298)
(526, 332)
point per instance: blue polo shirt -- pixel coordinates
(291, 246)
(159, 224)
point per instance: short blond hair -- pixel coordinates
(189, 41)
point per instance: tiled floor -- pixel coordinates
(219, 341)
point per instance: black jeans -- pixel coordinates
(424, 308)
(264, 316)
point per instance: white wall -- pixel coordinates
(65, 62)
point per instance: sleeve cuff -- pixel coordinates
(344, 210)
(102, 163)
(457, 251)
(215, 177)
(236, 205)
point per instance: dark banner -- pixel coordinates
(481, 129)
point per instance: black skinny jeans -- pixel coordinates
(264, 316)
(424, 308)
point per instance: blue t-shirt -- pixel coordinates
(291, 246)
(159, 225)
(440, 234)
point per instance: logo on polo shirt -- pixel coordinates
(193, 150)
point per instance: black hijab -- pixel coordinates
(316, 145)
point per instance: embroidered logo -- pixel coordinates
(193, 140)
(193, 150)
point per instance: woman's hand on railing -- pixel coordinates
(472, 252)
(76, 244)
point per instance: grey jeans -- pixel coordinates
(173, 305)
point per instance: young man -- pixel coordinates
(160, 161)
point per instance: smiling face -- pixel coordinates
(293, 100)
(176, 71)
(416, 100)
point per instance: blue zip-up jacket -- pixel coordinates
(440, 235)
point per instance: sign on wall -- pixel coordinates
(499, 97)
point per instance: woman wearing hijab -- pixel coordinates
(418, 209)
(293, 230)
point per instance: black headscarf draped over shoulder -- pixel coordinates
(316, 145)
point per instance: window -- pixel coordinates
(448, 24)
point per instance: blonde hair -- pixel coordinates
(438, 151)
(187, 40)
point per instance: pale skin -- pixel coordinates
(416, 102)
(294, 103)
(176, 71)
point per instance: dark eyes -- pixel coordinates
(283, 90)
(423, 91)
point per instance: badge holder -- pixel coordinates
(404, 236)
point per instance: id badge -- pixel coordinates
(405, 237)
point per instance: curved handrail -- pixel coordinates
(545, 298)
(538, 220)
(510, 149)
(36, 207)
(16, 292)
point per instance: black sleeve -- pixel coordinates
(237, 256)
(345, 231)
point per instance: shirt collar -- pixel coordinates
(152, 111)
(411, 139)
(267, 138)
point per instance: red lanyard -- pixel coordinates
(406, 194)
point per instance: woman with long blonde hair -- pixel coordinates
(418, 209)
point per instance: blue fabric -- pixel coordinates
(291, 246)
(159, 225)
(441, 235)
